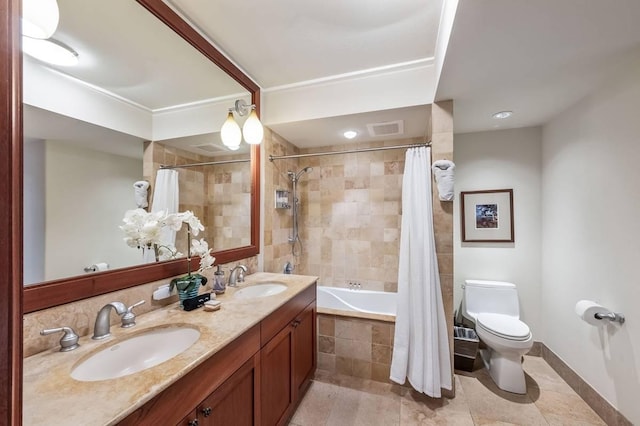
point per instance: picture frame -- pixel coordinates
(487, 216)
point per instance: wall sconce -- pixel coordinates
(252, 129)
(40, 18)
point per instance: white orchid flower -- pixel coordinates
(143, 229)
(194, 223)
(173, 221)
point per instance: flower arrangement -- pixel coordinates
(143, 230)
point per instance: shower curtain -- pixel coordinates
(166, 195)
(421, 346)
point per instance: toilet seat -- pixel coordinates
(503, 326)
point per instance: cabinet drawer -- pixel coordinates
(281, 318)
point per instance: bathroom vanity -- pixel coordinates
(251, 365)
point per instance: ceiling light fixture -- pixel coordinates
(40, 18)
(350, 134)
(252, 129)
(502, 115)
(50, 51)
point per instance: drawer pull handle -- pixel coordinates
(206, 411)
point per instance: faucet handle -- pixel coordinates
(129, 318)
(69, 340)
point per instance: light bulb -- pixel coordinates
(40, 18)
(252, 129)
(230, 132)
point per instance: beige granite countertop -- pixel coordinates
(51, 396)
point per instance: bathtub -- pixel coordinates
(356, 303)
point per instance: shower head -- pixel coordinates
(297, 176)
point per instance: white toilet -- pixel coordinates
(493, 307)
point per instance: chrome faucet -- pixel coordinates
(69, 340)
(102, 327)
(237, 277)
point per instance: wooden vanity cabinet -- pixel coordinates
(258, 379)
(233, 403)
(220, 381)
(288, 358)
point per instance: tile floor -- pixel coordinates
(336, 400)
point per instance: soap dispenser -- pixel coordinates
(219, 285)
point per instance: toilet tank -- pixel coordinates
(489, 296)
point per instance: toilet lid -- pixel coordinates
(504, 326)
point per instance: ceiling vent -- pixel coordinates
(210, 148)
(390, 128)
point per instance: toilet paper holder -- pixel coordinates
(611, 316)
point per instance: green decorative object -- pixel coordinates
(187, 286)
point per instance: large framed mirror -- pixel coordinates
(149, 91)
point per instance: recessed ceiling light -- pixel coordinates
(502, 115)
(50, 51)
(350, 134)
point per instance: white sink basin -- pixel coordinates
(136, 353)
(260, 290)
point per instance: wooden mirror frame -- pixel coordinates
(58, 292)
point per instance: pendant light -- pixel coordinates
(252, 129)
(230, 132)
(40, 18)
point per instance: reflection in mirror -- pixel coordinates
(77, 183)
(140, 97)
(216, 188)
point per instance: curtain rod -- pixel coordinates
(352, 151)
(210, 163)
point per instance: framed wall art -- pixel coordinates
(487, 216)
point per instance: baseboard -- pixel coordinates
(601, 406)
(536, 349)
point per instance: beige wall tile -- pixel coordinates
(326, 325)
(381, 354)
(327, 362)
(380, 372)
(353, 330)
(344, 365)
(381, 333)
(361, 369)
(326, 345)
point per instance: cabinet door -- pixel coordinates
(304, 351)
(233, 402)
(276, 380)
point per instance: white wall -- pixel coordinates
(591, 237)
(87, 194)
(499, 160)
(34, 211)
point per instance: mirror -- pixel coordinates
(153, 79)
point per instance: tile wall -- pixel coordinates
(442, 148)
(277, 224)
(355, 347)
(220, 196)
(350, 215)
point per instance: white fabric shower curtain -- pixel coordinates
(421, 345)
(166, 196)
